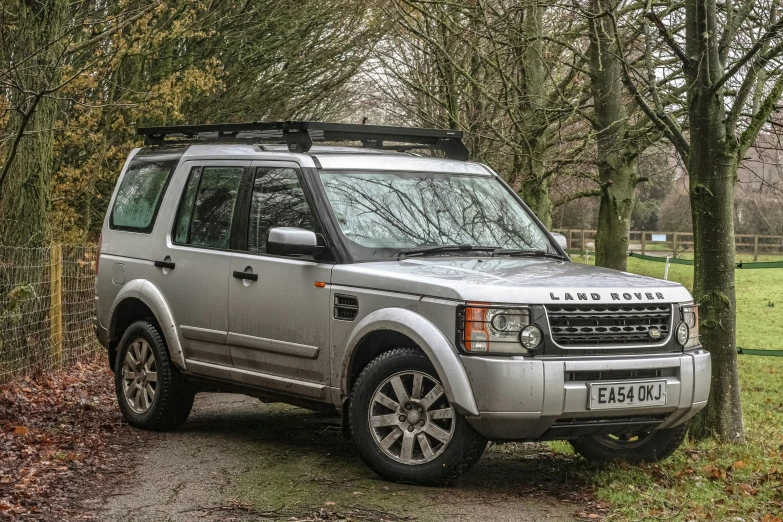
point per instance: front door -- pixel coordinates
(279, 318)
(196, 259)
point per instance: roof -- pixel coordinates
(335, 158)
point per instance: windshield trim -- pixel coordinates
(339, 236)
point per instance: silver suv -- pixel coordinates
(419, 298)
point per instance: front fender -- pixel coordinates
(153, 298)
(430, 339)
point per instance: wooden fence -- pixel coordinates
(675, 243)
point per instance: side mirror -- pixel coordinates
(292, 241)
(561, 240)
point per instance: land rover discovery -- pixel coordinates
(416, 296)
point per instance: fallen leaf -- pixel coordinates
(21, 430)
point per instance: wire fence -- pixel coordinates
(46, 308)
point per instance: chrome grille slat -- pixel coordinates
(610, 325)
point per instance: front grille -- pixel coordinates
(608, 325)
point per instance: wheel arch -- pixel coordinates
(402, 325)
(140, 299)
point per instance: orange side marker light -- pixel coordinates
(319, 284)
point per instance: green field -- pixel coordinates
(707, 480)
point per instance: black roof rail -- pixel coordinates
(300, 135)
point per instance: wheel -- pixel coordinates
(650, 446)
(404, 426)
(152, 393)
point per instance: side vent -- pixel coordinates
(346, 307)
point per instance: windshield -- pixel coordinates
(382, 213)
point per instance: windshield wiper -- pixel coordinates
(439, 249)
(526, 253)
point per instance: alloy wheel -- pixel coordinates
(139, 376)
(410, 417)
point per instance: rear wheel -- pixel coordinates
(151, 392)
(403, 424)
(633, 447)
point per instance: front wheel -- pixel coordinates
(403, 424)
(650, 446)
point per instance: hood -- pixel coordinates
(509, 280)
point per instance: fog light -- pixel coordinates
(683, 333)
(530, 336)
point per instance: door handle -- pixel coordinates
(164, 264)
(245, 275)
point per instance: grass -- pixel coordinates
(707, 480)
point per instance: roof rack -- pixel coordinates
(300, 135)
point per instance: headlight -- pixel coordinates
(487, 329)
(690, 320)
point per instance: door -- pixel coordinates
(278, 314)
(194, 263)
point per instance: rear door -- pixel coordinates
(279, 323)
(195, 258)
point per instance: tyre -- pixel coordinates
(649, 446)
(152, 393)
(404, 426)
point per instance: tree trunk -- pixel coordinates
(535, 188)
(616, 164)
(614, 214)
(712, 169)
(25, 190)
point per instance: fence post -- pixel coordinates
(56, 304)
(756, 247)
(674, 254)
(568, 239)
(644, 243)
(582, 245)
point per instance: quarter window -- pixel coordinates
(140, 193)
(278, 200)
(207, 207)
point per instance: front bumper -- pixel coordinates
(540, 398)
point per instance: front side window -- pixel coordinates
(140, 193)
(382, 213)
(278, 200)
(207, 208)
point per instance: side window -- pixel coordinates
(207, 207)
(278, 200)
(140, 194)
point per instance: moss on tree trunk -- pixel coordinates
(38, 43)
(616, 162)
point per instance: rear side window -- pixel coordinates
(140, 193)
(207, 207)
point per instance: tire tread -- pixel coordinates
(174, 393)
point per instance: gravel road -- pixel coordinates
(239, 459)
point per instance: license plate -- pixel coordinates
(604, 396)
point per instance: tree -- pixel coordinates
(33, 47)
(492, 69)
(38, 42)
(733, 80)
(619, 143)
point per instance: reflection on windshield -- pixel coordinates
(392, 211)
